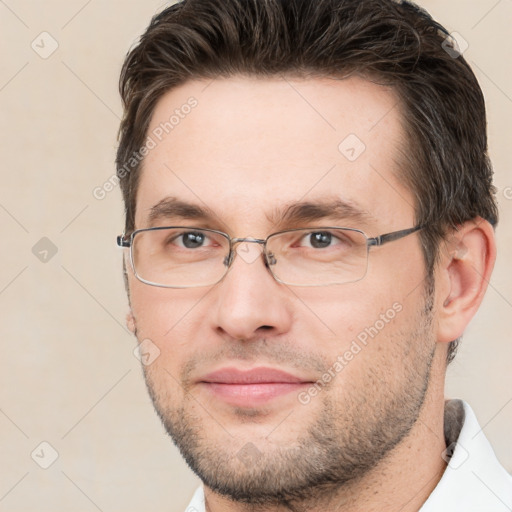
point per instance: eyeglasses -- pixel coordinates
(187, 257)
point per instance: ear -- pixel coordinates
(130, 319)
(465, 266)
(130, 322)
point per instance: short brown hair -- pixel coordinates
(387, 41)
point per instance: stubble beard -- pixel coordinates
(351, 434)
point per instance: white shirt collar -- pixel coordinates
(474, 480)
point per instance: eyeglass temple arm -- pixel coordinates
(395, 235)
(123, 242)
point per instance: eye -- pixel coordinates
(319, 240)
(190, 239)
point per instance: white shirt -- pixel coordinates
(473, 481)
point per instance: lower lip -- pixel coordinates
(252, 394)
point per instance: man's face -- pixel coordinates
(245, 153)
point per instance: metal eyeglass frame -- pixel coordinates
(127, 242)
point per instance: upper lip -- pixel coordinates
(258, 375)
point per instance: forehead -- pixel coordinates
(245, 147)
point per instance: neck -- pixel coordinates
(403, 480)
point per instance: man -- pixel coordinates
(309, 230)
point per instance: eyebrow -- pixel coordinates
(171, 207)
(294, 213)
(307, 211)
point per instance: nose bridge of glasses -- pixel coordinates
(248, 253)
(249, 239)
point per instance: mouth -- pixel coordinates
(250, 388)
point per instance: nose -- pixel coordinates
(249, 302)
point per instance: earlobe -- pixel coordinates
(465, 270)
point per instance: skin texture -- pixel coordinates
(372, 437)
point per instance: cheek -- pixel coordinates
(165, 316)
(399, 270)
(167, 328)
(372, 353)
(334, 312)
(357, 324)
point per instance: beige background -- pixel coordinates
(69, 376)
